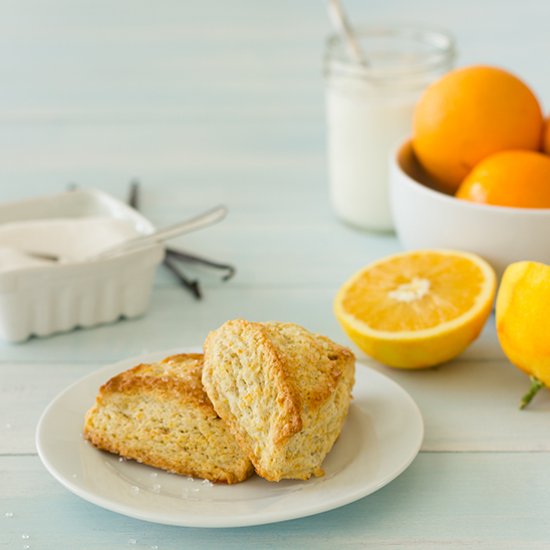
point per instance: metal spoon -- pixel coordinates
(198, 222)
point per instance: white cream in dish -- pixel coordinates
(69, 239)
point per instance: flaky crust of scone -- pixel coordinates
(283, 391)
(159, 414)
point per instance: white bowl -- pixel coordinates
(43, 300)
(426, 218)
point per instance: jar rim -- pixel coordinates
(441, 43)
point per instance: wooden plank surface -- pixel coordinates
(469, 404)
(222, 102)
(439, 502)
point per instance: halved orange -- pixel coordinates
(419, 308)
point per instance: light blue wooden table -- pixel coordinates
(222, 102)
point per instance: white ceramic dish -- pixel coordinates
(43, 300)
(426, 218)
(381, 437)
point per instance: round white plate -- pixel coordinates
(381, 437)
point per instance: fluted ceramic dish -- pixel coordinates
(43, 300)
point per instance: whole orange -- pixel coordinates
(469, 114)
(509, 178)
(546, 136)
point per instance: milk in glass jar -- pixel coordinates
(369, 111)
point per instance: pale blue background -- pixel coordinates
(222, 101)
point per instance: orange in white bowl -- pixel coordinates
(426, 218)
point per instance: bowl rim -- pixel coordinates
(438, 195)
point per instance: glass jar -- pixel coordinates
(369, 111)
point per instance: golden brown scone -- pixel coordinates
(283, 391)
(160, 415)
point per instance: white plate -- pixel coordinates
(381, 437)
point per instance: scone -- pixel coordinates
(160, 415)
(283, 391)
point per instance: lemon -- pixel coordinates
(522, 321)
(419, 308)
